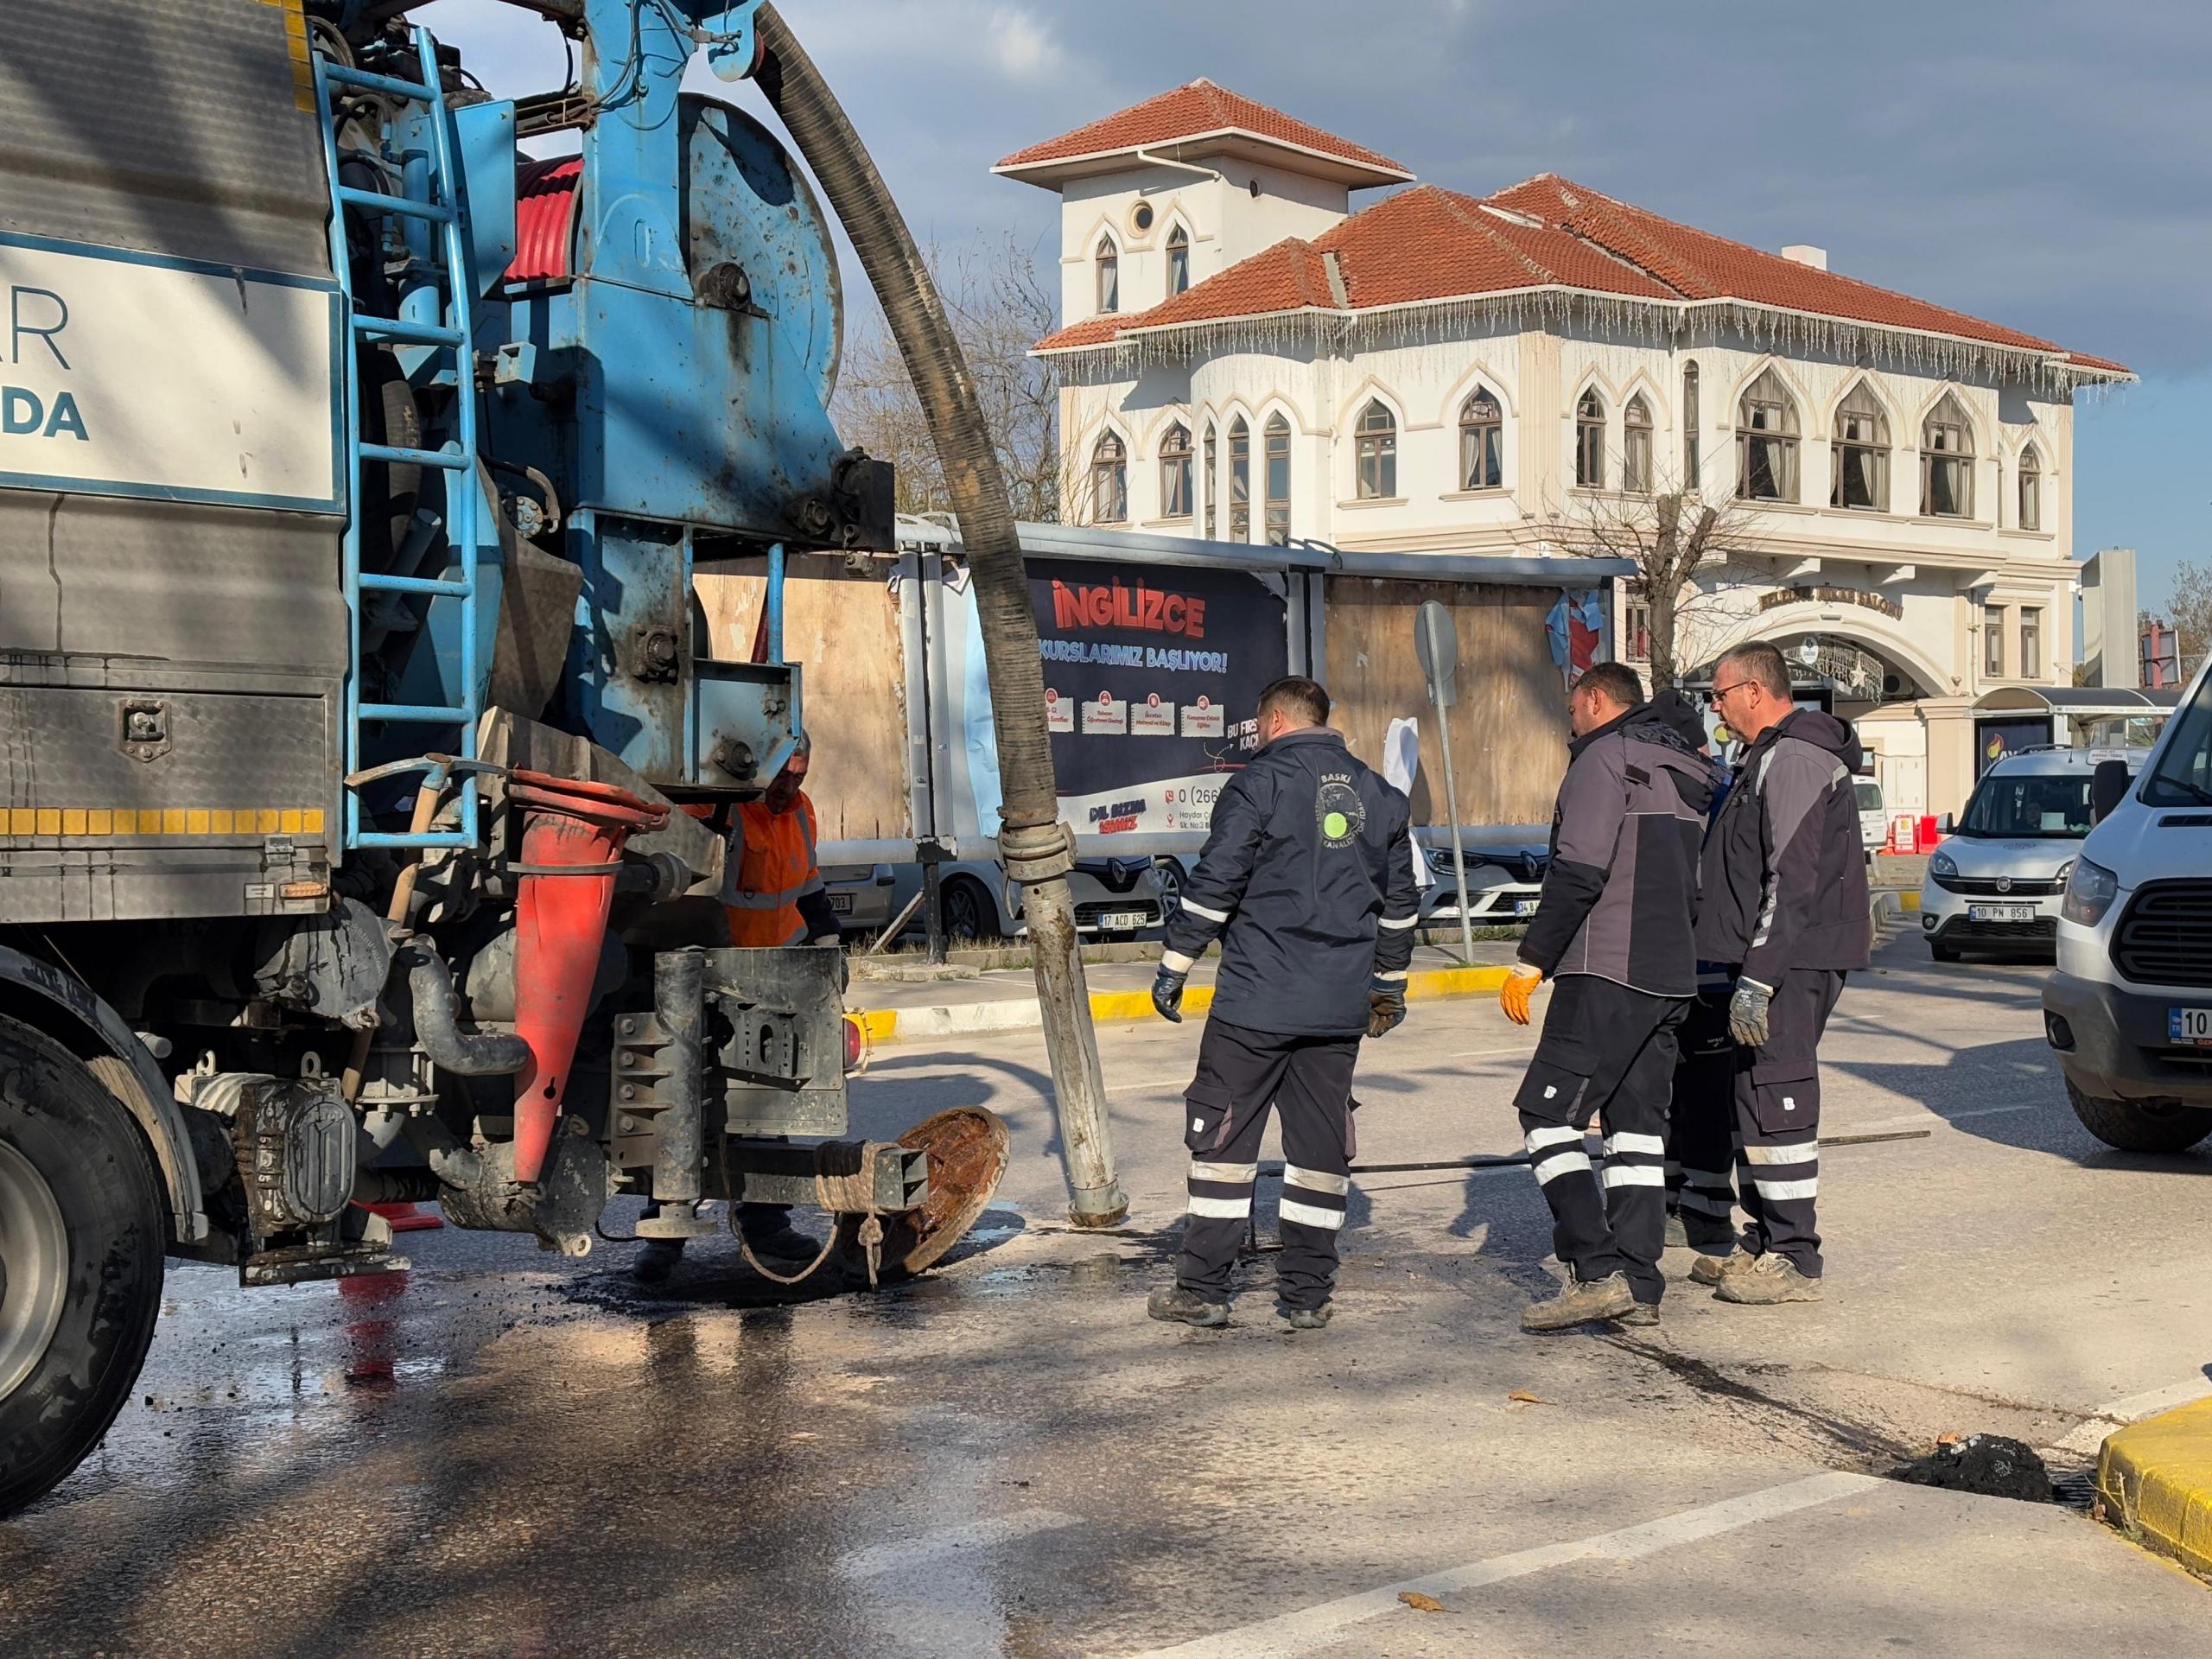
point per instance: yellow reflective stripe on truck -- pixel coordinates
(172, 822)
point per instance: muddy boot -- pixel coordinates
(1675, 1237)
(1175, 1303)
(1306, 1319)
(1766, 1279)
(769, 1235)
(1711, 1269)
(1579, 1304)
(1644, 1316)
(656, 1259)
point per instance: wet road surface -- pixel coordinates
(504, 1453)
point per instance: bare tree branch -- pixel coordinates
(999, 308)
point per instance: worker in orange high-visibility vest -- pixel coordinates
(772, 889)
(772, 885)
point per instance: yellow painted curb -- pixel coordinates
(2156, 1479)
(879, 1025)
(1909, 900)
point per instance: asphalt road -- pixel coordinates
(506, 1453)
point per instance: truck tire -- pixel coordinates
(81, 1244)
(2136, 1125)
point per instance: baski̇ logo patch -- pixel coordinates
(1339, 811)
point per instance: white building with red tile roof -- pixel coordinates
(1244, 357)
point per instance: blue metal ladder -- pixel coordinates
(438, 207)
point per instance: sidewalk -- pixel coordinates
(1005, 998)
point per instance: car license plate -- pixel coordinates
(841, 904)
(1525, 907)
(1122, 921)
(2000, 912)
(2192, 1025)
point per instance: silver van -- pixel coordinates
(1995, 883)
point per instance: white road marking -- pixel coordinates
(905, 1555)
(1478, 1053)
(1310, 1627)
(2091, 1435)
(1917, 1119)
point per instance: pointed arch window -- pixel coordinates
(2030, 489)
(1636, 447)
(1109, 481)
(1859, 448)
(1240, 480)
(1108, 263)
(1175, 473)
(1947, 462)
(1375, 441)
(1482, 427)
(1211, 482)
(1590, 441)
(1278, 481)
(1178, 261)
(1766, 441)
(1689, 426)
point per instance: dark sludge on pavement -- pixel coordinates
(1992, 1466)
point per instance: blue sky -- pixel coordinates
(2039, 163)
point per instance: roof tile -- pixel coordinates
(1187, 112)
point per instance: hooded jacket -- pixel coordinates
(1620, 896)
(1785, 872)
(1307, 880)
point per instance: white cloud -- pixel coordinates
(1022, 47)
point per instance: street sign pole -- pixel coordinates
(1437, 647)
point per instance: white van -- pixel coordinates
(2129, 1009)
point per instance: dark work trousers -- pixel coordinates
(1241, 1073)
(1778, 1120)
(1701, 1126)
(1609, 1051)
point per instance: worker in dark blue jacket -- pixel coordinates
(1306, 879)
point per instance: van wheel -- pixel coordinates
(2141, 1126)
(81, 1238)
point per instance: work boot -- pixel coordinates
(772, 1239)
(1579, 1304)
(1175, 1303)
(656, 1259)
(1766, 1279)
(1643, 1316)
(1306, 1319)
(1711, 1269)
(1676, 1238)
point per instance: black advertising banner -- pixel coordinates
(1153, 676)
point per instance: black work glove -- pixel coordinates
(1167, 994)
(1386, 1005)
(1747, 1013)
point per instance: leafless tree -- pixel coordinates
(2188, 613)
(1670, 535)
(999, 308)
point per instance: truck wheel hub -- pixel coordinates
(34, 1268)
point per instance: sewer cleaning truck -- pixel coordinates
(365, 762)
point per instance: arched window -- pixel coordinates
(1860, 450)
(1109, 275)
(1240, 480)
(1211, 482)
(2030, 489)
(1375, 439)
(1636, 447)
(1481, 424)
(1766, 441)
(1278, 481)
(1175, 473)
(1947, 462)
(1109, 481)
(1689, 426)
(1589, 442)
(1178, 261)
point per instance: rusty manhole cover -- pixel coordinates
(968, 1148)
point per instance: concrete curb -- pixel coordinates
(2155, 1477)
(1120, 1008)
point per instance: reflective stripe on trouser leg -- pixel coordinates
(1580, 1237)
(1315, 1101)
(1778, 1182)
(1219, 1213)
(1700, 1126)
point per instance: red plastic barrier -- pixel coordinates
(572, 839)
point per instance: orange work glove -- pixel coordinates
(1513, 996)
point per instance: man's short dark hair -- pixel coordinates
(1615, 681)
(1758, 661)
(1300, 699)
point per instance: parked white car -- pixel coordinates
(1994, 882)
(2129, 1010)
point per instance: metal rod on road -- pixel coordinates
(1509, 1160)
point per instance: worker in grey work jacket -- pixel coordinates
(1785, 913)
(1306, 879)
(1614, 934)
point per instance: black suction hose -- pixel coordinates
(480, 1054)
